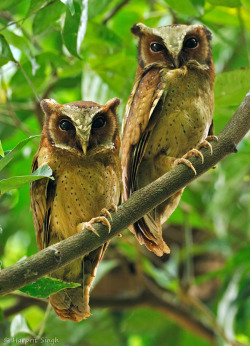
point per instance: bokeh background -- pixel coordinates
(83, 50)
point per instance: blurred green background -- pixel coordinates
(83, 50)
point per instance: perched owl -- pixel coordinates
(80, 142)
(169, 113)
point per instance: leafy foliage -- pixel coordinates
(78, 49)
(44, 287)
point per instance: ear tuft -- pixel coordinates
(48, 105)
(138, 29)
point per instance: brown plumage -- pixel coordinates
(169, 112)
(80, 142)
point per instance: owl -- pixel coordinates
(80, 142)
(168, 116)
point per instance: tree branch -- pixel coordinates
(141, 202)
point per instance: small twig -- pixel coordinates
(28, 80)
(114, 11)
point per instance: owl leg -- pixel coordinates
(206, 143)
(89, 226)
(184, 160)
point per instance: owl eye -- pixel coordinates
(98, 123)
(156, 47)
(66, 125)
(191, 43)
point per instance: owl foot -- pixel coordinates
(206, 143)
(105, 212)
(185, 162)
(88, 225)
(113, 208)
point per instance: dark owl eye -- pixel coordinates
(98, 123)
(191, 43)
(156, 47)
(66, 125)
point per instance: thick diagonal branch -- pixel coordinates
(141, 202)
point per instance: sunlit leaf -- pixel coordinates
(44, 287)
(95, 7)
(5, 52)
(231, 87)
(227, 3)
(8, 4)
(16, 182)
(12, 153)
(246, 3)
(35, 5)
(47, 17)
(1, 149)
(183, 6)
(18, 41)
(19, 325)
(70, 5)
(75, 27)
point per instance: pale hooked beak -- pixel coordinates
(176, 60)
(84, 146)
(84, 140)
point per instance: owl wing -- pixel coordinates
(42, 194)
(138, 124)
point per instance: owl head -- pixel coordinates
(174, 46)
(82, 126)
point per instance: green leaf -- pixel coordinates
(35, 5)
(96, 7)
(18, 41)
(9, 4)
(183, 6)
(1, 316)
(70, 5)
(1, 149)
(47, 17)
(226, 3)
(75, 27)
(44, 287)
(231, 87)
(5, 52)
(12, 153)
(16, 182)
(19, 325)
(246, 3)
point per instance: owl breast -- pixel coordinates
(84, 186)
(186, 112)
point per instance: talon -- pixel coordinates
(206, 144)
(211, 138)
(194, 152)
(185, 162)
(104, 212)
(113, 208)
(104, 221)
(91, 228)
(88, 226)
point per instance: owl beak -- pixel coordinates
(84, 148)
(175, 59)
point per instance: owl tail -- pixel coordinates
(73, 303)
(149, 232)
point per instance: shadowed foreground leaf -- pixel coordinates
(16, 182)
(44, 287)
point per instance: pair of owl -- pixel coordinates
(168, 114)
